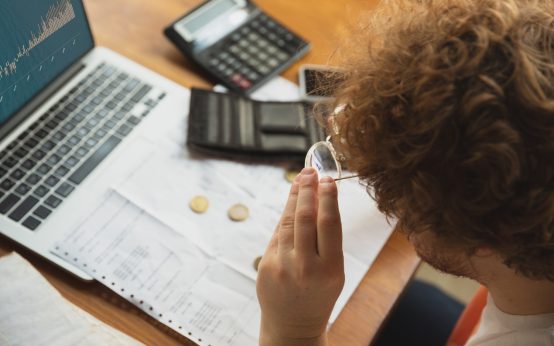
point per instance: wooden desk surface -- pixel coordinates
(134, 29)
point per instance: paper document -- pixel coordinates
(164, 274)
(33, 313)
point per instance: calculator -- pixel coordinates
(236, 43)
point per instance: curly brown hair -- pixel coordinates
(450, 122)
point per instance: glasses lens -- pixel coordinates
(322, 159)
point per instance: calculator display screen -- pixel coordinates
(206, 14)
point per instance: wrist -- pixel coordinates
(272, 337)
(274, 340)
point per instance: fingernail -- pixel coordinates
(308, 171)
(326, 180)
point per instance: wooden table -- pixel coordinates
(134, 28)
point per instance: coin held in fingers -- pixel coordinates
(199, 204)
(257, 262)
(238, 212)
(290, 175)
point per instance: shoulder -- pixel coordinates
(499, 328)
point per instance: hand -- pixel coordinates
(302, 271)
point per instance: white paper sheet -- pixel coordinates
(164, 274)
(33, 313)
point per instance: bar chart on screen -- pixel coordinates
(37, 40)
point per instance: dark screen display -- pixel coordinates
(39, 39)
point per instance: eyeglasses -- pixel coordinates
(323, 157)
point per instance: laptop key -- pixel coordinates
(32, 179)
(52, 181)
(7, 184)
(31, 223)
(10, 162)
(64, 149)
(91, 143)
(8, 203)
(39, 155)
(81, 152)
(23, 189)
(17, 174)
(58, 136)
(3, 172)
(28, 164)
(141, 93)
(101, 133)
(53, 160)
(61, 171)
(23, 208)
(100, 154)
(65, 189)
(124, 130)
(48, 145)
(44, 169)
(72, 161)
(134, 120)
(41, 134)
(42, 212)
(31, 143)
(20, 153)
(41, 191)
(53, 201)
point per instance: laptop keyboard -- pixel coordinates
(47, 162)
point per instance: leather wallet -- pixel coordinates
(233, 126)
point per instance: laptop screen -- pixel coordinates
(39, 39)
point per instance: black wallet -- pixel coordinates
(232, 126)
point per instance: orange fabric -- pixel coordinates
(469, 320)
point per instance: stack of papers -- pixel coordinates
(34, 313)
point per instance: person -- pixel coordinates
(448, 119)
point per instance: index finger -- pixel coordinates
(329, 228)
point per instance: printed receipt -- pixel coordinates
(164, 274)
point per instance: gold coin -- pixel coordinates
(238, 212)
(290, 175)
(199, 204)
(257, 262)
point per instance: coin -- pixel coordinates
(257, 262)
(238, 212)
(290, 175)
(199, 204)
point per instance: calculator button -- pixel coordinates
(245, 84)
(271, 50)
(273, 62)
(253, 49)
(214, 62)
(253, 76)
(234, 49)
(253, 36)
(263, 56)
(264, 69)
(244, 56)
(282, 56)
(243, 43)
(263, 43)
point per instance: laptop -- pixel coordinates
(68, 110)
